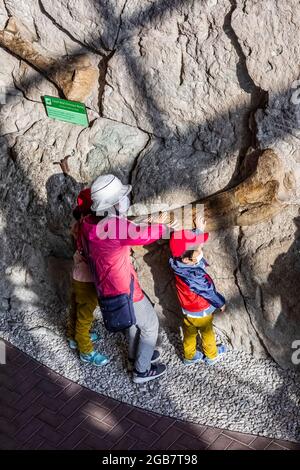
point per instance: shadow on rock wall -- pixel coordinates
(284, 285)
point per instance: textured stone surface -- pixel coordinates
(109, 147)
(3, 15)
(184, 99)
(95, 24)
(179, 83)
(269, 281)
(274, 68)
(76, 77)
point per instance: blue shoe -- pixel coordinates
(73, 344)
(221, 350)
(94, 337)
(197, 358)
(94, 358)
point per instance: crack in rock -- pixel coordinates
(67, 33)
(120, 25)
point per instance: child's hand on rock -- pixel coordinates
(174, 225)
(223, 308)
(200, 221)
(171, 222)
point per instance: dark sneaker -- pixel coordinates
(155, 356)
(154, 359)
(155, 372)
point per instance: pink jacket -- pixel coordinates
(107, 248)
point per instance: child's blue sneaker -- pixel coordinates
(197, 358)
(221, 350)
(94, 358)
(94, 337)
(73, 344)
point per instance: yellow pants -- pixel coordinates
(191, 326)
(83, 303)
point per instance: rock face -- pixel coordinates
(75, 76)
(188, 101)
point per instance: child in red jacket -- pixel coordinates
(197, 296)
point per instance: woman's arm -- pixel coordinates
(131, 234)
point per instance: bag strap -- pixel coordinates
(131, 287)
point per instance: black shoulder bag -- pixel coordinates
(118, 311)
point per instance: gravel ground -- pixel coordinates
(239, 393)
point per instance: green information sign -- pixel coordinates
(65, 110)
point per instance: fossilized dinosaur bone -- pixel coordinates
(76, 77)
(259, 197)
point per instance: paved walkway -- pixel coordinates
(40, 409)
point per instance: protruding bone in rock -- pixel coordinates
(259, 197)
(75, 76)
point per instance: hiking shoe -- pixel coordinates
(221, 350)
(154, 359)
(156, 370)
(197, 358)
(73, 344)
(94, 358)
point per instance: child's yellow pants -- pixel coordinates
(83, 303)
(191, 326)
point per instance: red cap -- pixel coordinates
(84, 201)
(184, 240)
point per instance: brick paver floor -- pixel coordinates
(40, 409)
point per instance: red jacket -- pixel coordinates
(188, 299)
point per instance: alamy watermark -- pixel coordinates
(296, 353)
(2, 352)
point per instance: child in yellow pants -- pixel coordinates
(204, 325)
(197, 296)
(84, 303)
(84, 297)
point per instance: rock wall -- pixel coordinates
(184, 97)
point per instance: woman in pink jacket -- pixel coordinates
(107, 237)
